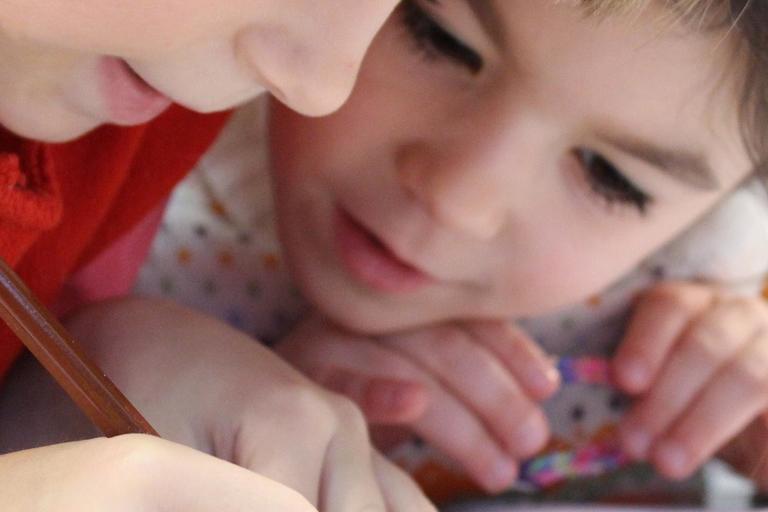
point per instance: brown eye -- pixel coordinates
(609, 183)
(436, 42)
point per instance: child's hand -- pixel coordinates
(203, 384)
(135, 473)
(698, 360)
(469, 389)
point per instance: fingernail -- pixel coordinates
(636, 442)
(390, 398)
(635, 373)
(672, 458)
(503, 474)
(530, 436)
(543, 381)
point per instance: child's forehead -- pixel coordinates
(559, 38)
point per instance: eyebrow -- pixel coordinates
(685, 166)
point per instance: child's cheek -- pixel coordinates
(126, 29)
(301, 148)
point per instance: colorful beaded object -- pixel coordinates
(584, 370)
(594, 459)
(553, 468)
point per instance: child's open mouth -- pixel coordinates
(129, 99)
(369, 260)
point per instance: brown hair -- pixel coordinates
(748, 20)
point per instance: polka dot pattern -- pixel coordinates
(217, 251)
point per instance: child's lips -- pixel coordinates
(367, 258)
(129, 99)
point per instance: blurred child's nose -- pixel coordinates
(473, 203)
(472, 179)
(312, 66)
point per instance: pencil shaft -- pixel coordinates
(65, 360)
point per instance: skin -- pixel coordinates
(199, 394)
(205, 55)
(70, 470)
(469, 389)
(453, 174)
(471, 178)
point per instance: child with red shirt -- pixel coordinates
(70, 187)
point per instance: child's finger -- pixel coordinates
(355, 367)
(384, 384)
(657, 321)
(534, 370)
(349, 480)
(482, 383)
(706, 345)
(392, 481)
(382, 400)
(452, 429)
(725, 407)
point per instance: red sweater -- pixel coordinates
(61, 204)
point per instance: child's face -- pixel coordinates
(56, 83)
(469, 174)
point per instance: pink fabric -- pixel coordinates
(113, 272)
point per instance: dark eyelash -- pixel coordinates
(434, 40)
(610, 184)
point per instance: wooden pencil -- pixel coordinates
(65, 360)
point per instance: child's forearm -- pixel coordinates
(206, 385)
(35, 411)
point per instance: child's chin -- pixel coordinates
(46, 127)
(370, 318)
(352, 305)
(370, 326)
